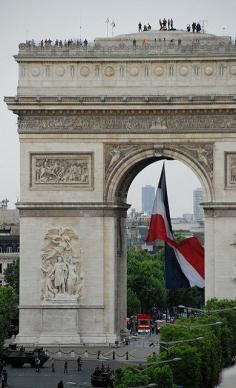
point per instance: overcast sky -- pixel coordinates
(63, 19)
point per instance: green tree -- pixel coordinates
(11, 275)
(193, 297)
(163, 377)
(8, 308)
(228, 329)
(187, 371)
(209, 348)
(133, 303)
(131, 376)
(145, 278)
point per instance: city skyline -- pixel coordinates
(30, 19)
(180, 195)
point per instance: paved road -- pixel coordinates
(26, 377)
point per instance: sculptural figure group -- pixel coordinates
(61, 171)
(61, 266)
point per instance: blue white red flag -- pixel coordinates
(184, 261)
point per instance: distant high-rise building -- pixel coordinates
(188, 217)
(148, 196)
(198, 213)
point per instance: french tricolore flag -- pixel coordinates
(184, 261)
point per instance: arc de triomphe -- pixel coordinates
(89, 119)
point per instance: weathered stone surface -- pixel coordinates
(125, 123)
(90, 119)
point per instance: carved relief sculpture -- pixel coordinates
(68, 169)
(203, 153)
(61, 266)
(120, 123)
(117, 152)
(230, 170)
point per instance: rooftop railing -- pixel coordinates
(160, 48)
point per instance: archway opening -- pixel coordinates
(146, 289)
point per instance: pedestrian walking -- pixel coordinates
(139, 27)
(37, 364)
(66, 367)
(5, 376)
(2, 380)
(52, 365)
(60, 384)
(79, 363)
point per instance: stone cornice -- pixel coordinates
(116, 102)
(71, 205)
(219, 209)
(77, 306)
(72, 209)
(226, 56)
(122, 105)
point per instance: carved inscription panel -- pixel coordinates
(58, 170)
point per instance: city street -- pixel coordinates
(26, 377)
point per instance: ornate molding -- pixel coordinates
(202, 153)
(84, 101)
(118, 155)
(134, 122)
(58, 170)
(213, 69)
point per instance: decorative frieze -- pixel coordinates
(57, 170)
(120, 122)
(156, 70)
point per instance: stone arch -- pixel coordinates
(131, 159)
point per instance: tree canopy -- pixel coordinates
(146, 286)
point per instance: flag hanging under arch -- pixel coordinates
(184, 261)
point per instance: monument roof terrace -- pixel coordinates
(150, 44)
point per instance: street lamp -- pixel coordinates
(207, 311)
(175, 359)
(180, 341)
(189, 326)
(150, 364)
(165, 344)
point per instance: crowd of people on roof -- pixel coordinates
(164, 25)
(168, 25)
(145, 27)
(58, 43)
(196, 27)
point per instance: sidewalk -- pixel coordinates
(138, 349)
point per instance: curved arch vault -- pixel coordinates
(89, 120)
